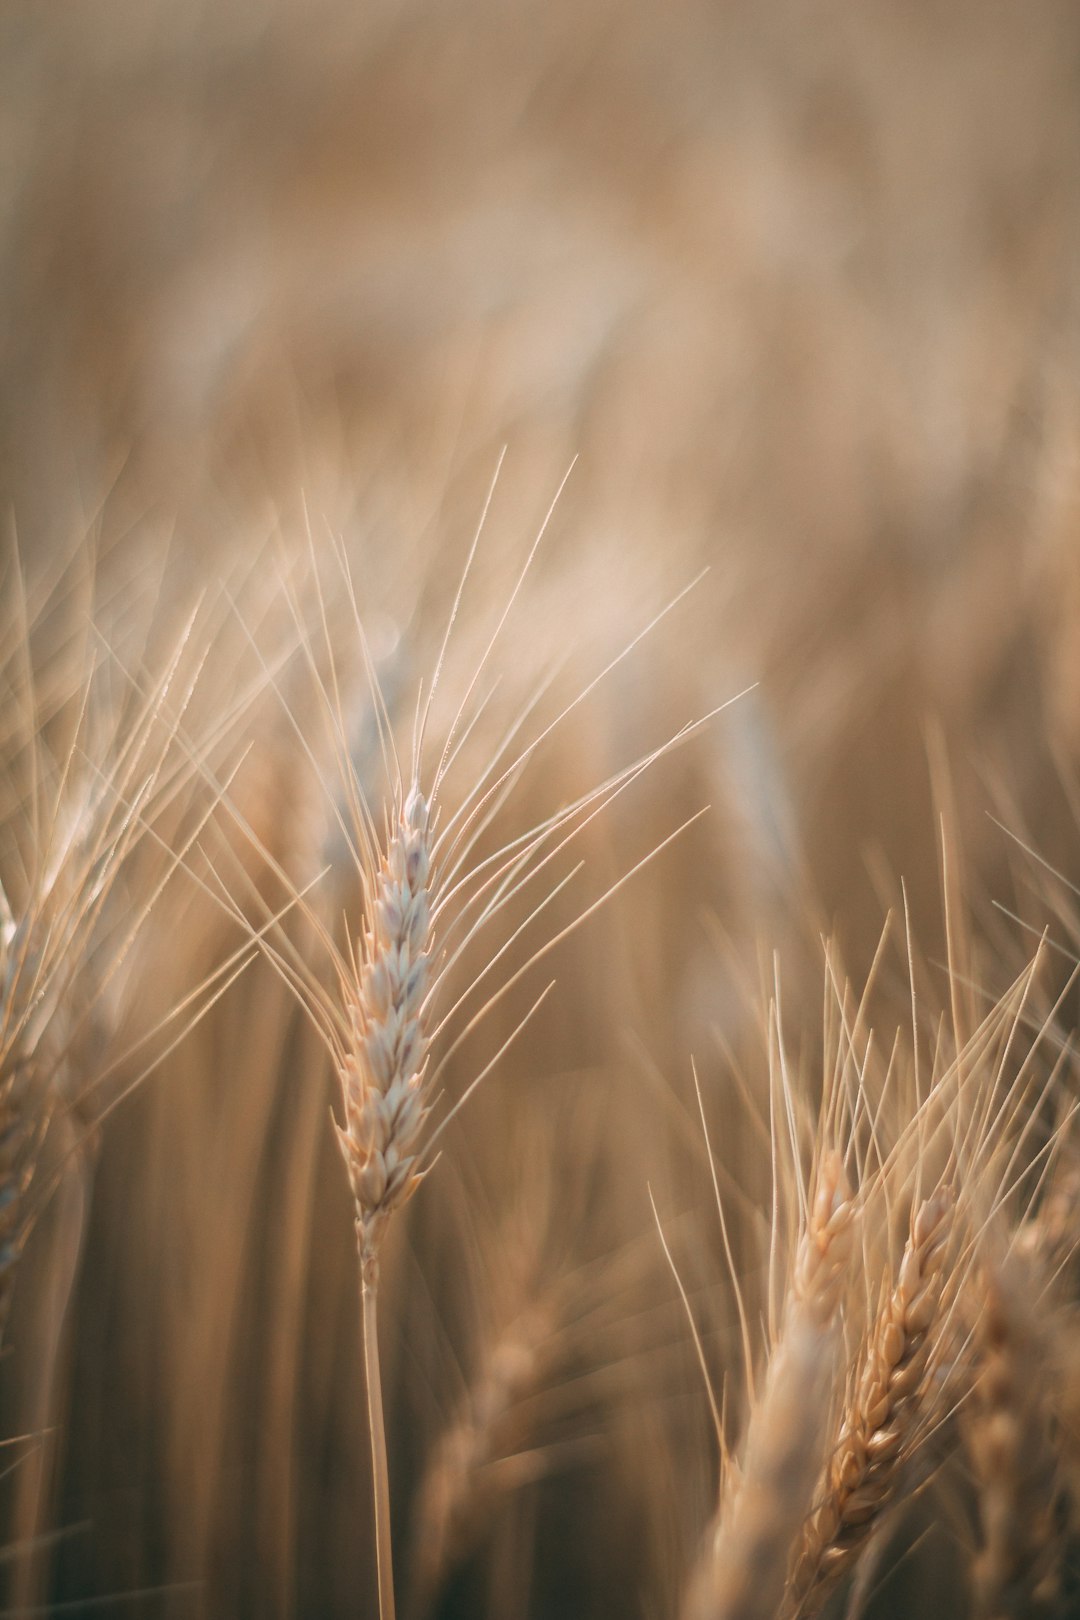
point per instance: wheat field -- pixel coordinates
(539, 810)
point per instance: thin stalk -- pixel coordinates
(379, 1469)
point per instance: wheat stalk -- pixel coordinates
(382, 1073)
(426, 898)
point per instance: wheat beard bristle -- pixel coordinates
(881, 1420)
(742, 1576)
(382, 1075)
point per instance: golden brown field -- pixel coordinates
(539, 810)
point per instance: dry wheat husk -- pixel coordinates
(741, 1573)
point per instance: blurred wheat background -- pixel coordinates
(292, 293)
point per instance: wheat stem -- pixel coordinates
(380, 1472)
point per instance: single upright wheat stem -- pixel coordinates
(384, 1553)
(742, 1575)
(426, 897)
(882, 1416)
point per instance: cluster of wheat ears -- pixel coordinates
(701, 1314)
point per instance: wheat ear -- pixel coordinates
(65, 938)
(382, 1072)
(1048, 1236)
(1017, 1569)
(379, 1020)
(883, 1416)
(464, 1478)
(742, 1574)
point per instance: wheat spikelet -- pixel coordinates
(883, 1415)
(742, 1573)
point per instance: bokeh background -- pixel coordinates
(797, 286)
